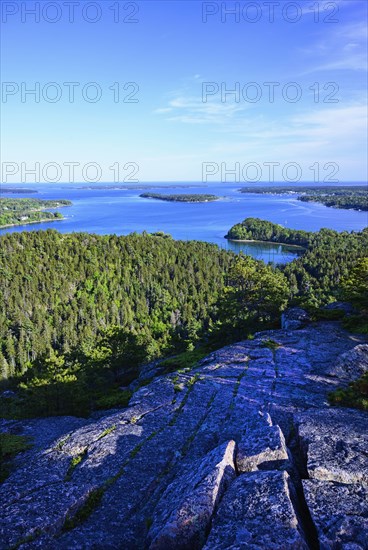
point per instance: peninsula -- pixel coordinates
(26, 211)
(354, 197)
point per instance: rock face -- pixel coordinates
(241, 452)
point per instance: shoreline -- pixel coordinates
(31, 223)
(265, 242)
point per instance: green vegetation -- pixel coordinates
(10, 446)
(353, 197)
(74, 463)
(181, 198)
(25, 211)
(356, 395)
(92, 502)
(322, 272)
(80, 314)
(254, 296)
(270, 344)
(186, 360)
(261, 230)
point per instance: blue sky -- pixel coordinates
(170, 53)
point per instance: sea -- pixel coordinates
(118, 209)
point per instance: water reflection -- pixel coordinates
(268, 252)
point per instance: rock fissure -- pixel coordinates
(243, 453)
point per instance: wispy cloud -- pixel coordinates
(341, 47)
(192, 110)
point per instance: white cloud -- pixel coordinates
(191, 110)
(340, 47)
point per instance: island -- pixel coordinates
(354, 197)
(181, 198)
(257, 230)
(25, 211)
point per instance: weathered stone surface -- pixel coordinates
(340, 513)
(256, 512)
(184, 513)
(149, 461)
(262, 450)
(335, 444)
(294, 318)
(352, 364)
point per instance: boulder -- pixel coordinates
(294, 318)
(262, 450)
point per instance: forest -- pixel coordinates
(25, 211)
(80, 313)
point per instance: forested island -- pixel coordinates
(353, 197)
(254, 229)
(80, 313)
(26, 211)
(181, 198)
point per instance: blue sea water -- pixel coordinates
(102, 209)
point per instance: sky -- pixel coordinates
(152, 85)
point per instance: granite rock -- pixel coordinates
(257, 512)
(173, 468)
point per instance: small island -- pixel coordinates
(257, 230)
(26, 211)
(353, 197)
(181, 198)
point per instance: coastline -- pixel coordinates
(265, 242)
(31, 223)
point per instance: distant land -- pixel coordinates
(16, 190)
(353, 197)
(26, 211)
(136, 187)
(181, 198)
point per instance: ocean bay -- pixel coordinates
(114, 209)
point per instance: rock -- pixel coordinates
(351, 364)
(335, 444)
(167, 457)
(346, 307)
(7, 394)
(257, 512)
(184, 513)
(339, 512)
(294, 318)
(265, 450)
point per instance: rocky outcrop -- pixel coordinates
(241, 452)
